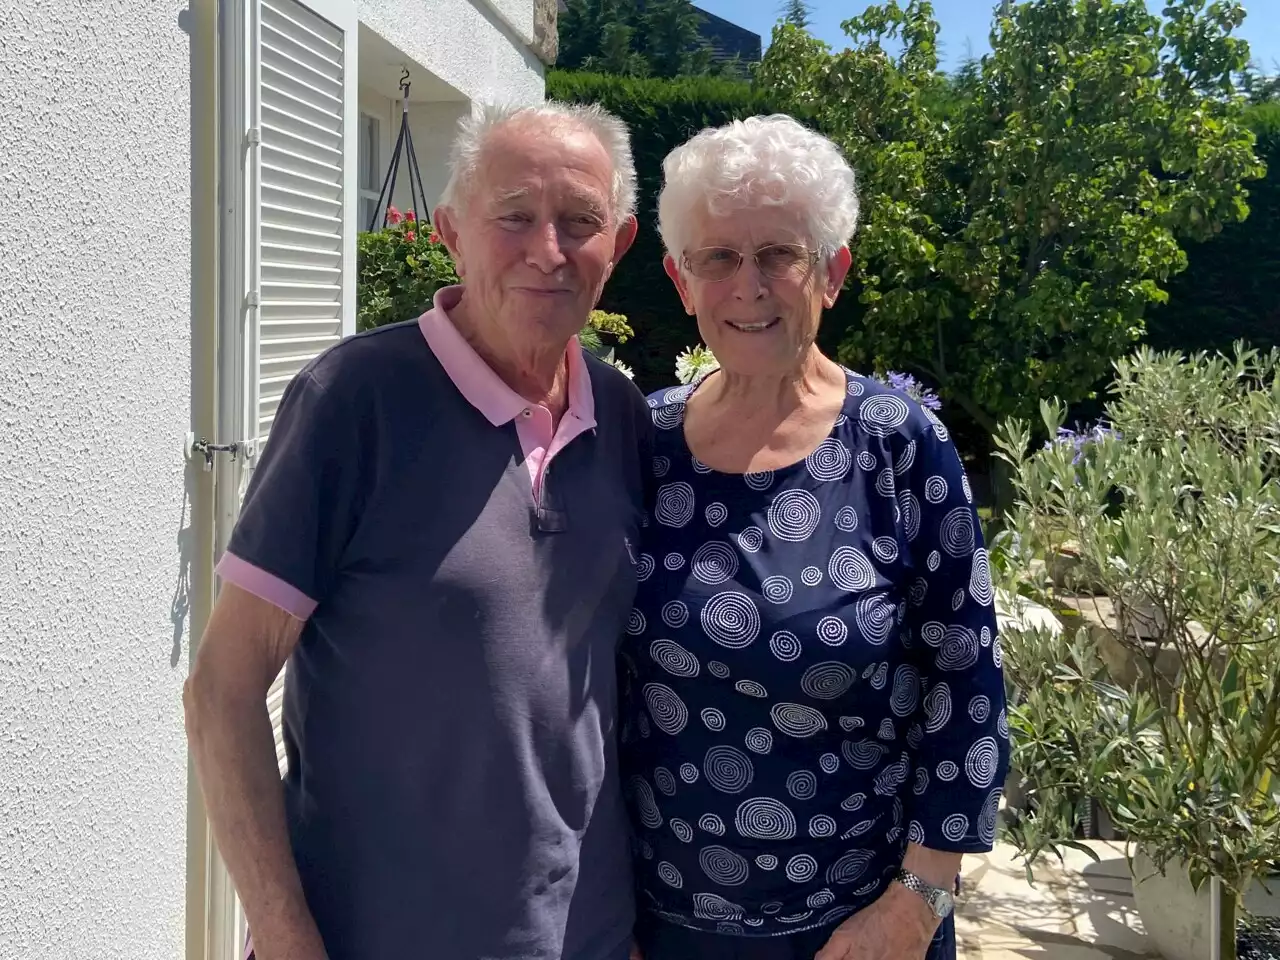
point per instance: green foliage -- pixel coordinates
(661, 115)
(1229, 290)
(398, 271)
(1168, 712)
(1020, 218)
(796, 13)
(631, 38)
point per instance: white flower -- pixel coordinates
(694, 364)
(627, 371)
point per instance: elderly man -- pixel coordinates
(438, 539)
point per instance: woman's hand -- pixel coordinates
(898, 926)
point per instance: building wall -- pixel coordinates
(433, 126)
(468, 46)
(95, 522)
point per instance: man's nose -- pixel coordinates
(544, 250)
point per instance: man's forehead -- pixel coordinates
(518, 160)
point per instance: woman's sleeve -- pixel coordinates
(960, 745)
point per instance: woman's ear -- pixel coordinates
(837, 269)
(681, 281)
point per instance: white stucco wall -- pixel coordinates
(467, 45)
(94, 401)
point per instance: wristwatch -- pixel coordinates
(939, 899)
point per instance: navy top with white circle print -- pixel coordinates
(811, 675)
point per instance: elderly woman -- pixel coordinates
(814, 728)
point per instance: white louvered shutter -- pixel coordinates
(302, 227)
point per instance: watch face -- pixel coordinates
(943, 904)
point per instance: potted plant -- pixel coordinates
(1175, 509)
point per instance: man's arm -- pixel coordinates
(243, 649)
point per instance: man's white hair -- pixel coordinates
(474, 131)
(770, 160)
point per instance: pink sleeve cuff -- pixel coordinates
(265, 586)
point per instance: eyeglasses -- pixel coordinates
(778, 261)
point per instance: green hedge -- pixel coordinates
(662, 114)
(1231, 287)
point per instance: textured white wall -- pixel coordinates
(95, 370)
(464, 44)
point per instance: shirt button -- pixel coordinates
(526, 412)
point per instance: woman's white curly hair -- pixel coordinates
(772, 160)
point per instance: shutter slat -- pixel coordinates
(306, 103)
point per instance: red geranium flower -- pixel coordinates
(433, 237)
(410, 236)
(410, 216)
(393, 215)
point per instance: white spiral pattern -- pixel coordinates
(915, 736)
(714, 563)
(689, 772)
(635, 622)
(776, 589)
(717, 669)
(935, 489)
(646, 805)
(997, 653)
(811, 576)
(712, 719)
(675, 504)
(854, 802)
(660, 467)
(934, 561)
(727, 769)
(947, 771)
(955, 827)
(850, 570)
(758, 740)
(885, 549)
(933, 633)
(886, 731)
(823, 898)
(723, 866)
(830, 461)
(846, 519)
(785, 646)
(731, 619)
(915, 833)
(797, 720)
(906, 691)
(666, 708)
(664, 781)
(918, 590)
(854, 388)
(883, 414)
(827, 680)
(959, 648)
(876, 616)
(956, 532)
(939, 430)
(909, 508)
(673, 658)
(863, 754)
(675, 614)
(937, 707)
(1002, 724)
(867, 461)
(712, 824)
(682, 830)
(708, 906)
(763, 818)
(670, 875)
(957, 600)
(644, 567)
(793, 515)
(988, 817)
(850, 867)
(801, 868)
(821, 826)
(800, 917)
(829, 763)
(699, 466)
(907, 460)
(849, 724)
(835, 914)
(966, 489)
(643, 724)
(802, 784)
(984, 638)
(673, 561)
(859, 829)
(833, 631)
(886, 484)
(980, 709)
(981, 762)
(677, 395)
(980, 587)
(666, 418)
(922, 781)
(750, 539)
(767, 861)
(716, 514)
(889, 780)
(751, 689)
(760, 480)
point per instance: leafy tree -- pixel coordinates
(634, 38)
(1014, 235)
(796, 13)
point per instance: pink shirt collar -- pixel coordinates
(477, 381)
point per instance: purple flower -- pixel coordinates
(1080, 439)
(912, 387)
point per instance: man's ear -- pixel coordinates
(624, 238)
(837, 269)
(446, 227)
(682, 283)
